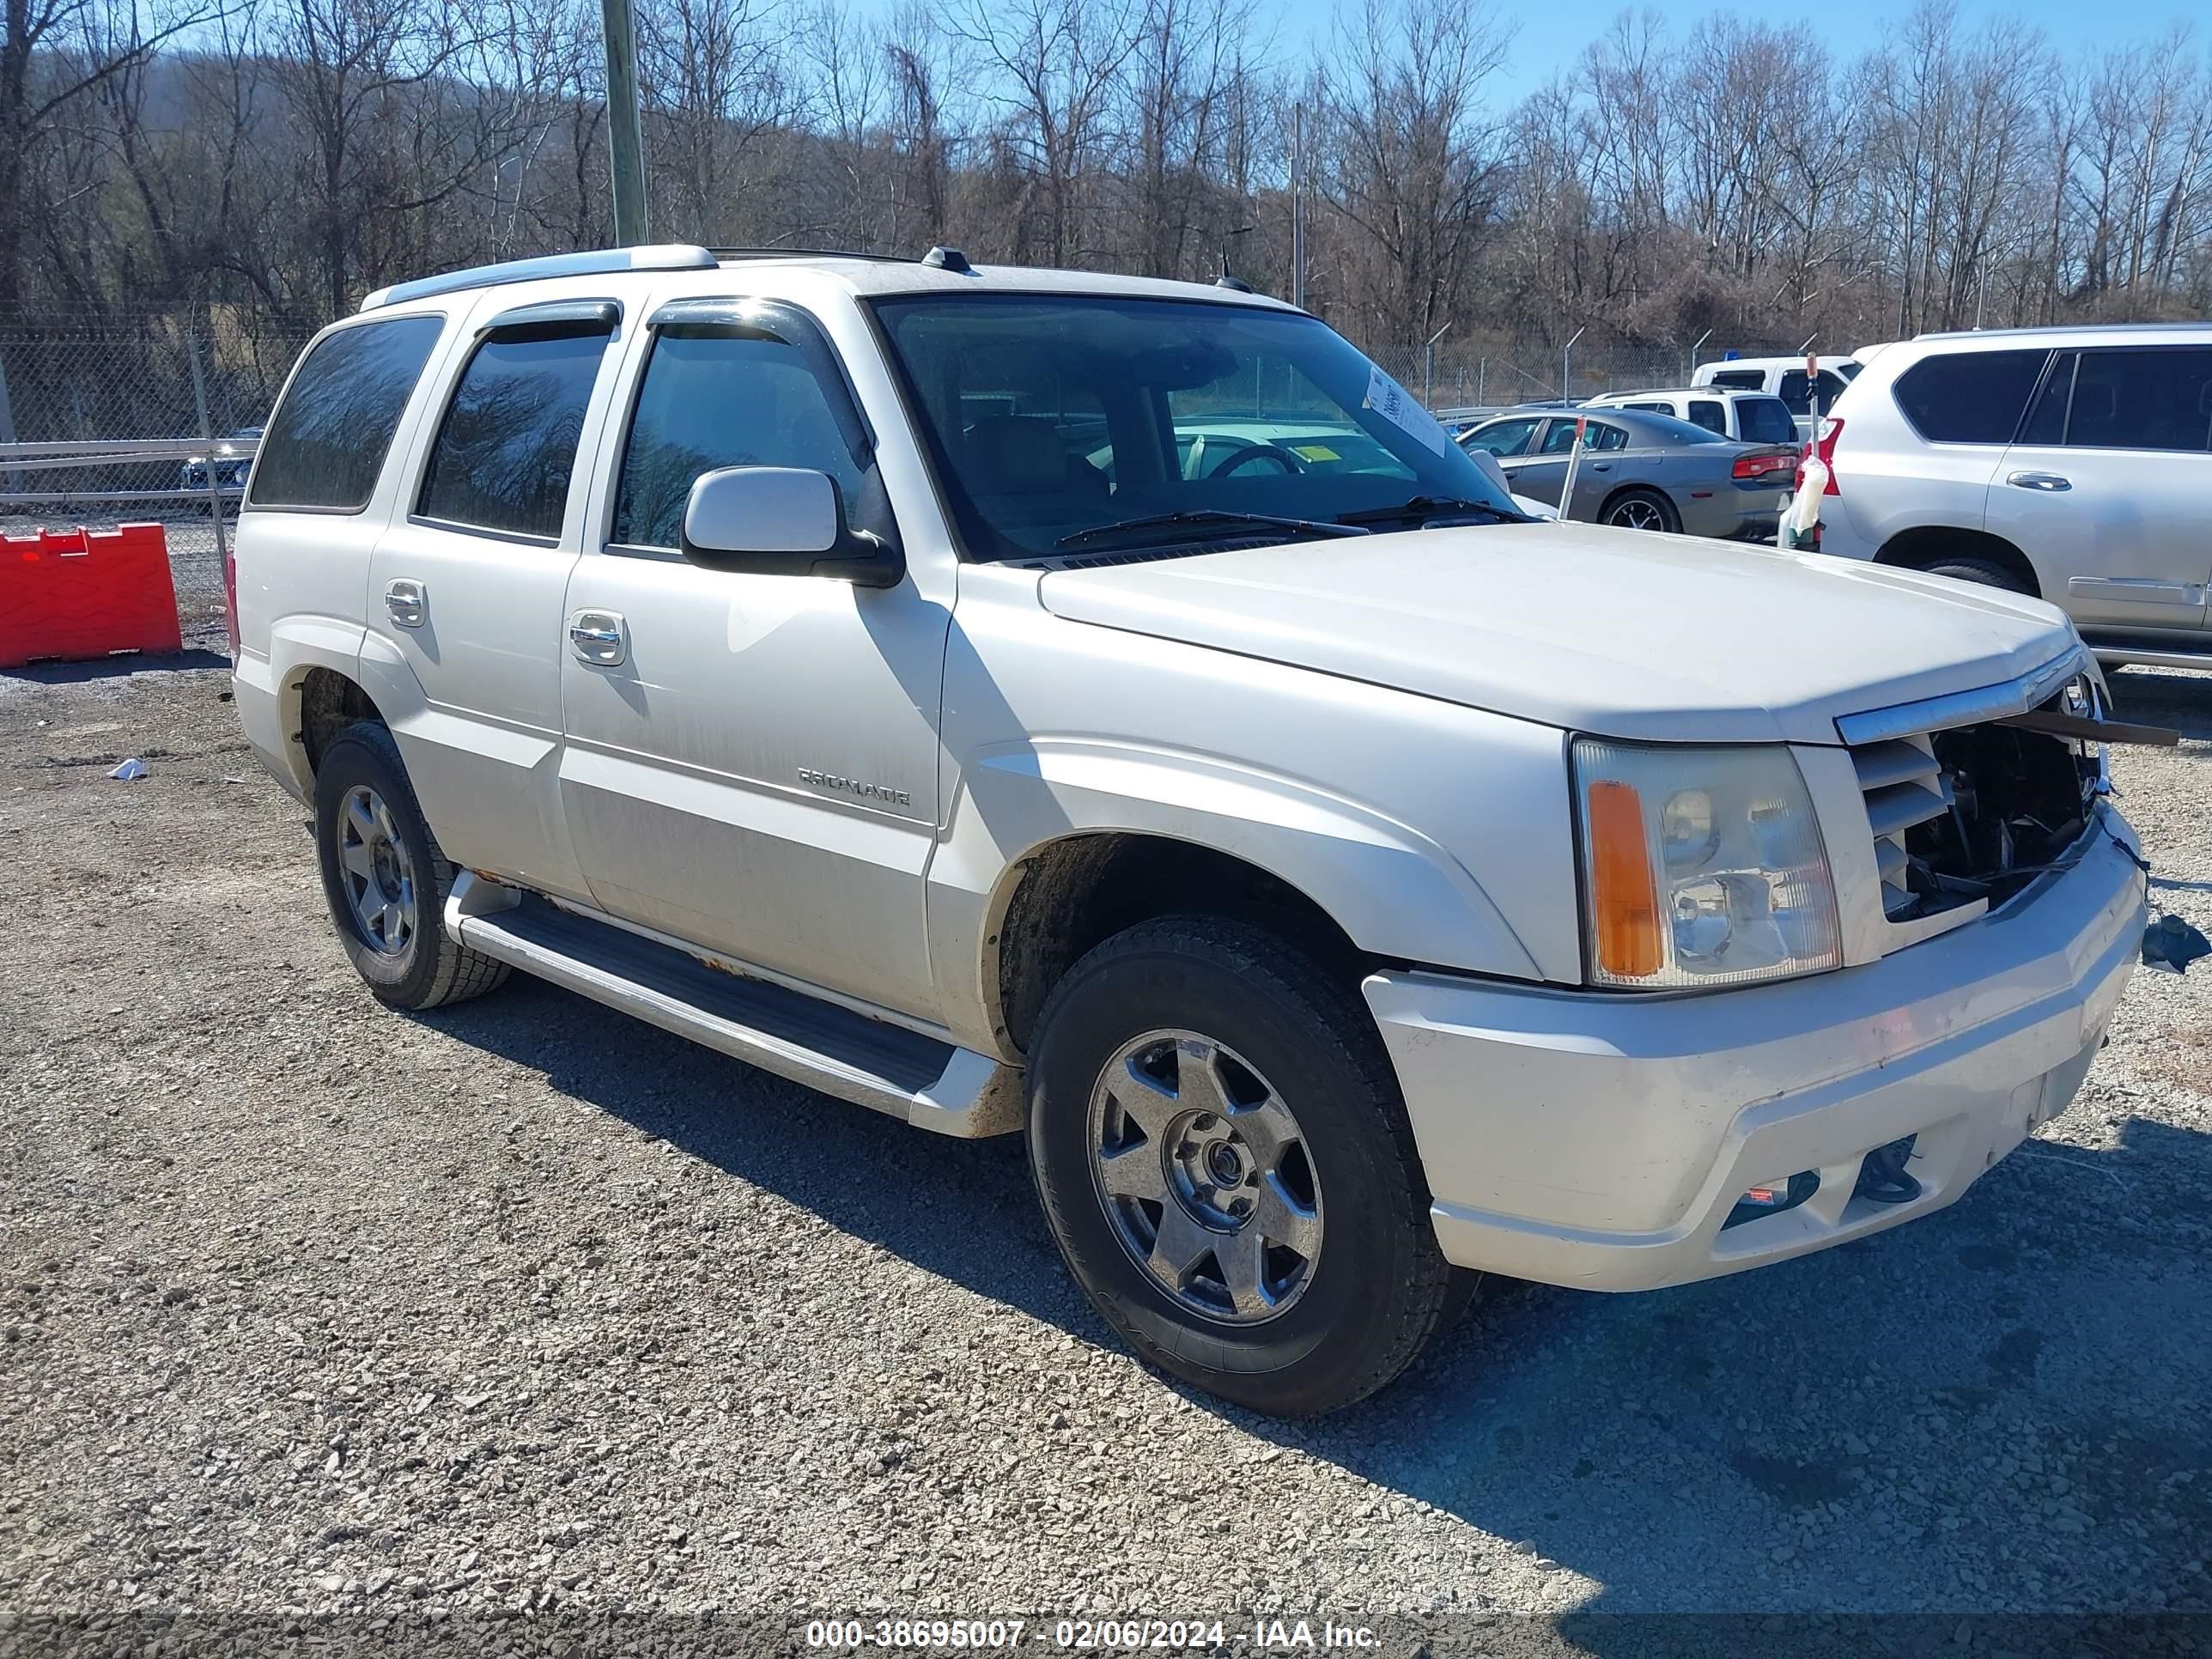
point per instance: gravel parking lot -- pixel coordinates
(310, 1305)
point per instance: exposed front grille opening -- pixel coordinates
(1975, 812)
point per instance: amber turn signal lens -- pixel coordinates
(1622, 892)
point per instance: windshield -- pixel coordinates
(1047, 416)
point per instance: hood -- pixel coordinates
(1619, 633)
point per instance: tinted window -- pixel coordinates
(1596, 434)
(1792, 391)
(1503, 437)
(326, 442)
(1708, 413)
(508, 443)
(1969, 396)
(1765, 420)
(1652, 408)
(1849, 369)
(715, 399)
(2148, 398)
(1740, 379)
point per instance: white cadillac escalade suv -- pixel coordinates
(1112, 711)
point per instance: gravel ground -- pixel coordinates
(308, 1305)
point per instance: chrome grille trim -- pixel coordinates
(2013, 697)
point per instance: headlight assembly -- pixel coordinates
(1700, 867)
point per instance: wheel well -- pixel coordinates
(329, 702)
(1917, 548)
(1074, 893)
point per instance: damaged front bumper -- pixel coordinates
(1602, 1141)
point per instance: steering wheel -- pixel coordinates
(1244, 458)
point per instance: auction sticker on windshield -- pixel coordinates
(1397, 405)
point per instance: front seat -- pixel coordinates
(1025, 455)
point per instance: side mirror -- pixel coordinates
(782, 521)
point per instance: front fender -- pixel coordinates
(1430, 832)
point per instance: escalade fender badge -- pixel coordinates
(855, 787)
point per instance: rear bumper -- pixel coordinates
(1602, 1141)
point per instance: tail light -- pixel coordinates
(229, 586)
(1758, 466)
(1831, 429)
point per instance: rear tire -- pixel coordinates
(1642, 509)
(1987, 572)
(1316, 1191)
(385, 879)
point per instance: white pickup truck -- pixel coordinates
(1112, 711)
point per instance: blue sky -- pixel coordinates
(1552, 38)
(1550, 41)
(1548, 38)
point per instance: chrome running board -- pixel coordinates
(923, 1080)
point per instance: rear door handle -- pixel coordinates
(2044, 481)
(599, 637)
(407, 602)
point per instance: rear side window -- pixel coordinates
(326, 442)
(1708, 413)
(1596, 434)
(1969, 396)
(2150, 397)
(1765, 420)
(1740, 379)
(507, 445)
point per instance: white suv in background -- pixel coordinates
(2072, 464)
(1752, 417)
(1784, 378)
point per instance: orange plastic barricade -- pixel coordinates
(79, 593)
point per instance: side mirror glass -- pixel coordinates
(782, 521)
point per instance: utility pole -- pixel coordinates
(1297, 204)
(625, 140)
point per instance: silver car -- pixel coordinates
(1643, 472)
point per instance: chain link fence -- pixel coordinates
(142, 419)
(1492, 375)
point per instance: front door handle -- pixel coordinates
(2044, 481)
(599, 637)
(1600, 466)
(407, 602)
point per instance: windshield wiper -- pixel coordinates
(1432, 507)
(1214, 516)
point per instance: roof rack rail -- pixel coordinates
(810, 254)
(665, 256)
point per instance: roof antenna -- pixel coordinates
(1228, 279)
(947, 259)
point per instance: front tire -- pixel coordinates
(385, 879)
(1219, 1144)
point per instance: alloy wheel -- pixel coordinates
(1204, 1173)
(375, 870)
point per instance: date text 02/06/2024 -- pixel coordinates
(1088, 1635)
